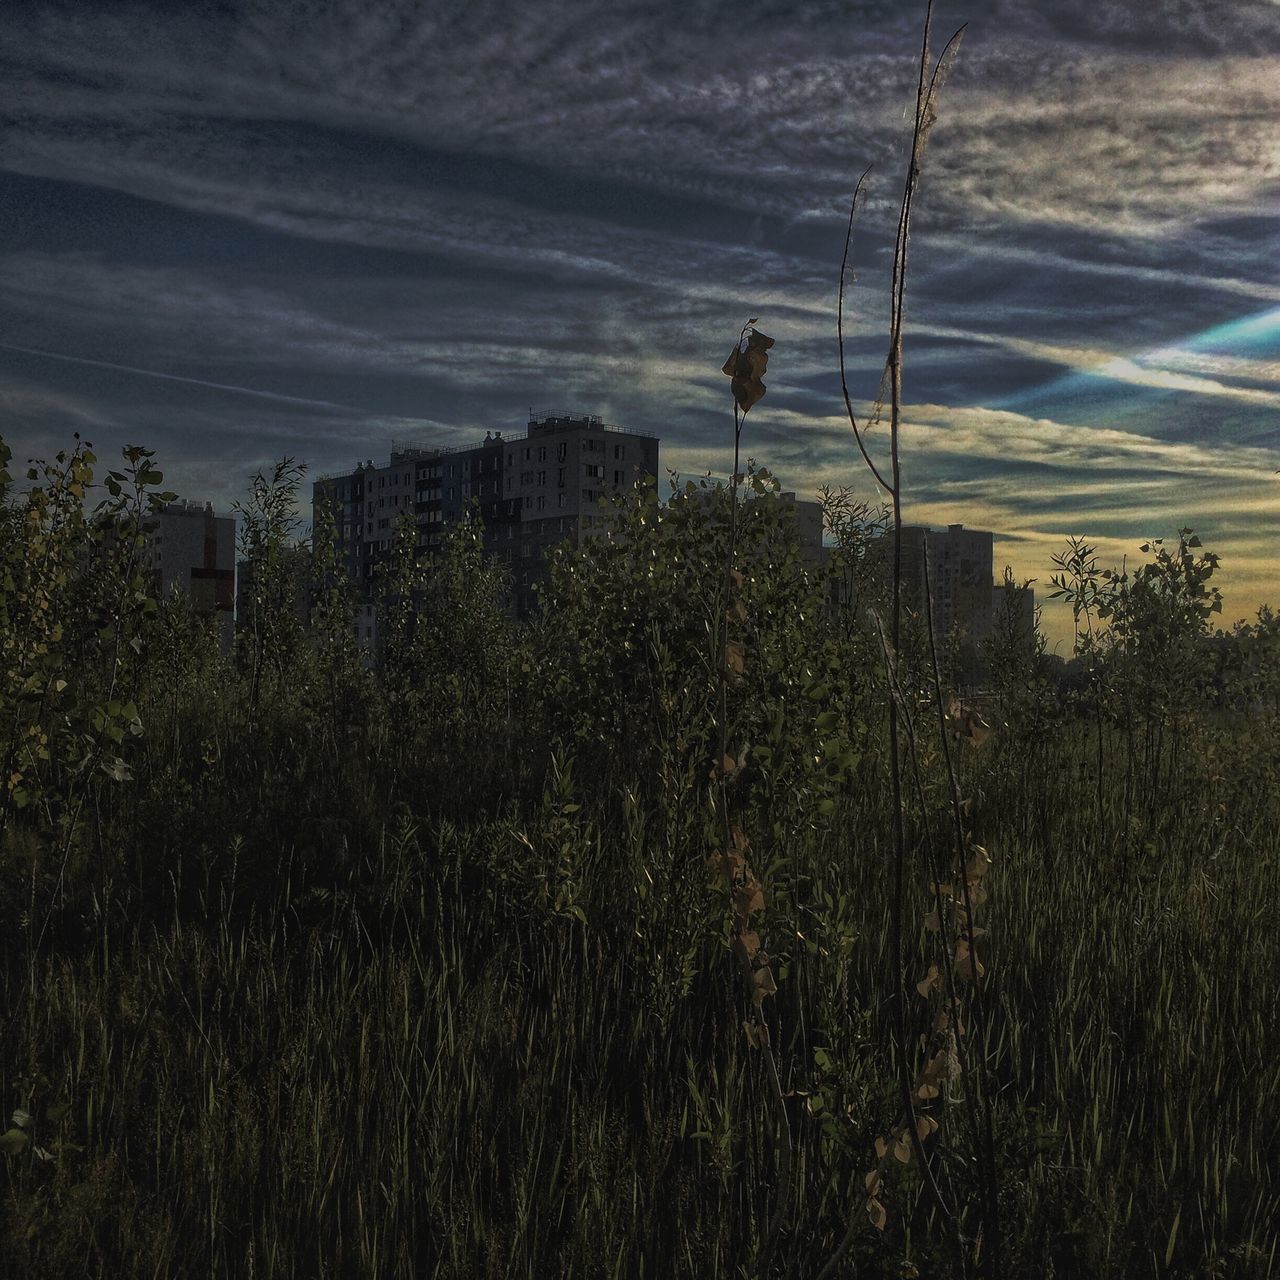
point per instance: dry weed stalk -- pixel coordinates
(746, 365)
(945, 1056)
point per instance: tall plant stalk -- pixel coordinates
(745, 365)
(927, 82)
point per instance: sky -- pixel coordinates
(236, 231)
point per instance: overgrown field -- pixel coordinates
(314, 970)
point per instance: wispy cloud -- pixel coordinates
(172, 377)
(309, 228)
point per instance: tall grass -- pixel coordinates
(345, 1043)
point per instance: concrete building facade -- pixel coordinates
(964, 598)
(193, 550)
(533, 490)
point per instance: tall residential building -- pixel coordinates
(960, 573)
(533, 490)
(193, 550)
(809, 528)
(1013, 605)
(963, 595)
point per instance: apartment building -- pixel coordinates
(964, 598)
(193, 550)
(960, 565)
(533, 490)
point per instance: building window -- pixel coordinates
(542, 502)
(542, 477)
(542, 453)
(617, 477)
(560, 500)
(618, 452)
(562, 450)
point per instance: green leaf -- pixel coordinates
(58, 1112)
(13, 1141)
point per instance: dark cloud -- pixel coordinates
(234, 230)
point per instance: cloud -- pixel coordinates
(170, 377)
(791, 110)
(1161, 369)
(309, 228)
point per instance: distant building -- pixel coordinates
(1014, 605)
(533, 491)
(805, 513)
(193, 550)
(964, 601)
(808, 519)
(293, 583)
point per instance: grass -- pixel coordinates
(423, 970)
(380, 1049)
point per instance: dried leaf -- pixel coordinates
(937, 1068)
(876, 1214)
(925, 1126)
(969, 968)
(978, 865)
(902, 1148)
(932, 982)
(966, 723)
(747, 943)
(762, 985)
(746, 366)
(739, 838)
(881, 1148)
(735, 657)
(873, 1182)
(727, 864)
(748, 897)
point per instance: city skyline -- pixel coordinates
(246, 230)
